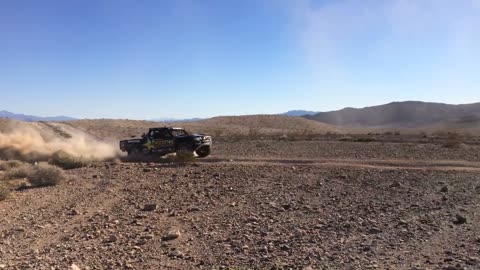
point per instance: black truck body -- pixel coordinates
(166, 140)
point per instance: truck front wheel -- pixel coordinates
(203, 151)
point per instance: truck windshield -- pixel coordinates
(178, 132)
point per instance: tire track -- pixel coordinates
(439, 165)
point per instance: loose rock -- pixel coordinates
(172, 235)
(459, 219)
(150, 207)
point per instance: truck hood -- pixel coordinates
(190, 136)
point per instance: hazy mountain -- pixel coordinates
(400, 114)
(171, 120)
(32, 118)
(299, 113)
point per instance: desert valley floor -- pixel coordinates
(257, 204)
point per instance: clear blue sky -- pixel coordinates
(199, 58)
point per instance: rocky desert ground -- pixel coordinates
(310, 202)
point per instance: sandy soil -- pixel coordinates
(266, 204)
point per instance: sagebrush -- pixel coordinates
(7, 165)
(453, 140)
(37, 175)
(45, 175)
(18, 172)
(4, 191)
(66, 161)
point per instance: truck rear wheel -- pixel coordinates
(134, 152)
(145, 151)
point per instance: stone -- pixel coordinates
(402, 222)
(193, 209)
(141, 242)
(140, 216)
(111, 239)
(150, 207)
(172, 235)
(176, 254)
(74, 212)
(395, 184)
(459, 219)
(147, 236)
(374, 230)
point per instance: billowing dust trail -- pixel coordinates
(39, 141)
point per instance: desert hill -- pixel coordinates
(217, 126)
(409, 114)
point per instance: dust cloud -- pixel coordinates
(32, 143)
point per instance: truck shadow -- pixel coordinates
(172, 160)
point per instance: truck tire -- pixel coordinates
(184, 153)
(134, 152)
(137, 152)
(145, 151)
(203, 151)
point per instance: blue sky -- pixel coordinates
(190, 58)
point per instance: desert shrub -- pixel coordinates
(388, 133)
(10, 164)
(283, 137)
(453, 140)
(18, 172)
(366, 139)
(253, 133)
(346, 139)
(294, 136)
(440, 133)
(45, 175)
(397, 133)
(236, 137)
(308, 134)
(423, 134)
(217, 133)
(4, 191)
(67, 161)
(304, 135)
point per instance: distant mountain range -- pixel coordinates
(400, 114)
(299, 113)
(33, 118)
(171, 120)
(408, 114)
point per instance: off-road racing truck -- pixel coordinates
(166, 140)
